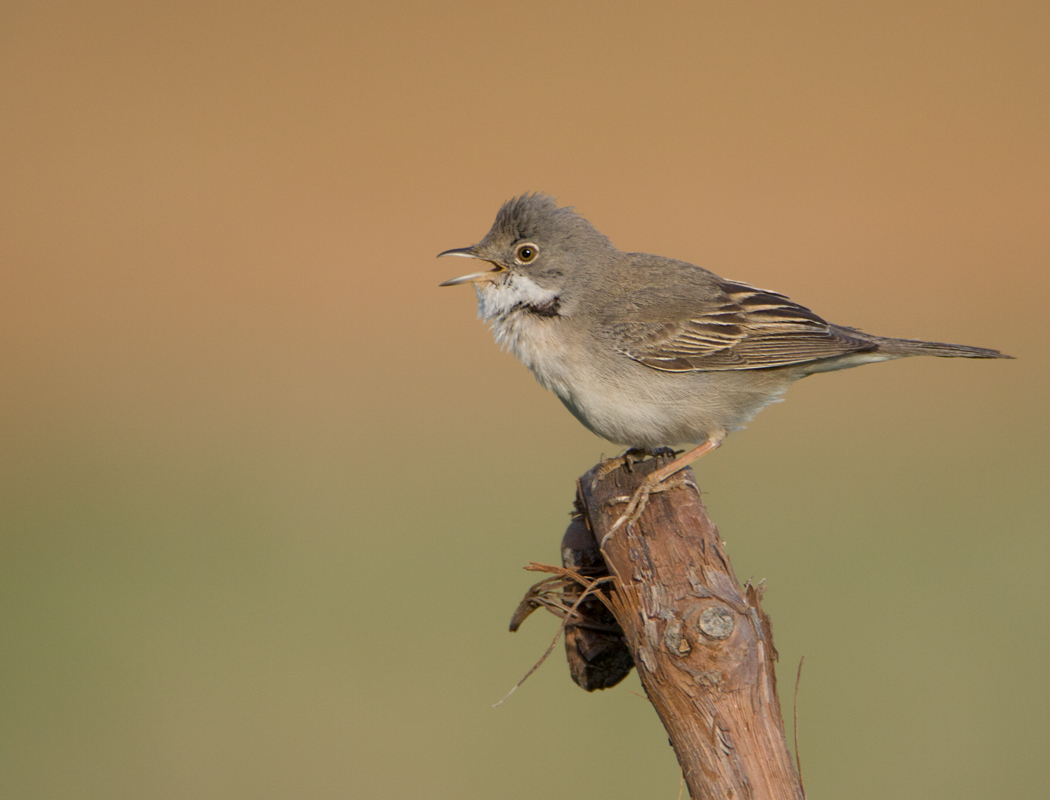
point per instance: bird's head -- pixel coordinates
(537, 252)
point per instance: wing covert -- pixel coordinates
(742, 328)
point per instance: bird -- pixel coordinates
(647, 351)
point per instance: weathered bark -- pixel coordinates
(702, 644)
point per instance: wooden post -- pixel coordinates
(702, 645)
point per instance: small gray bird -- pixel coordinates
(648, 351)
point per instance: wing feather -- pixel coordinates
(743, 328)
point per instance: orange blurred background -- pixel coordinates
(266, 490)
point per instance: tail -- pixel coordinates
(898, 348)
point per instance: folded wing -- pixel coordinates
(739, 327)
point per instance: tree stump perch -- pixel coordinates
(702, 644)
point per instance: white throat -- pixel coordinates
(512, 294)
(510, 307)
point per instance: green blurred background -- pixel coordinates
(267, 490)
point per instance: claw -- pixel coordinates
(637, 504)
(655, 482)
(627, 460)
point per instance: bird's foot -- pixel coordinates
(631, 457)
(666, 452)
(636, 504)
(657, 481)
(627, 460)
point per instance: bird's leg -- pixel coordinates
(684, 460)
(655, 482)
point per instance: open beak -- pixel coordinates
(474, 277)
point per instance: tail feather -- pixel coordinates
(915, 347)
(898, 348)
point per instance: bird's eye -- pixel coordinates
(526, 253)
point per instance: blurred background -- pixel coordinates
(267, 491)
